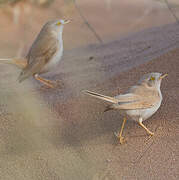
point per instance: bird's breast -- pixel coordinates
(54, 61)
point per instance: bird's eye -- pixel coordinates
(58, 23)
(152, 78)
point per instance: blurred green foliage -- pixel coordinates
(42, 2)
(2, 2)
(36, 2)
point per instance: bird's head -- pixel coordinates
(56, 25)
(61, 22)
(152, 79)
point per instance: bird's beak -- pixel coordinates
(66, 21)
(161, 77)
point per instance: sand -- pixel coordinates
(64, 134)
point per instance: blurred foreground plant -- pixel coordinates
(5, 2)
(42, 2)
(36, 2)
(18, 8)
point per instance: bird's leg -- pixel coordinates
(119, 135)
(44, 81)
(142, 125)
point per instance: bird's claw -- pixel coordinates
(151, 133)
(121, 138)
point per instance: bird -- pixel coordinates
(139, 103)
(44, 54)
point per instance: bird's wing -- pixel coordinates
(127, 97)
(40, 54)
(139, 104)
(137, 101)
(139, 97)
(42, 50)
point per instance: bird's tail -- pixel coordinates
(18, 62)
(100, 96)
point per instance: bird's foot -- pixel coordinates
(121, 138)
(150, 133)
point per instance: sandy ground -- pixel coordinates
(63, 134)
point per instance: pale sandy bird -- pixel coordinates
(139, 103)
(44, 54)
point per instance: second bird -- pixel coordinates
(44, 54)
